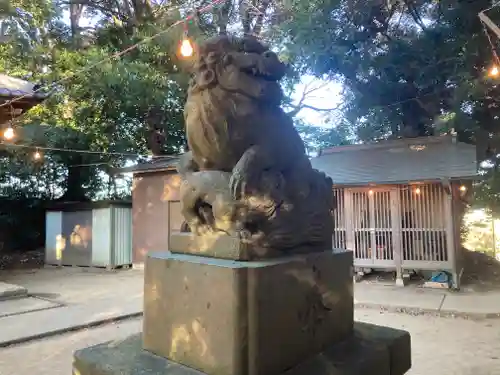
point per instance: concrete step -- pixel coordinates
(11, 290)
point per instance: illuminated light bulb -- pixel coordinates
(186, 48)
(9, 133)
(370, 192)
(463, 189)
(494, 71)
(417, 191)
(37, 155)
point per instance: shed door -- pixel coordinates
(77, 230)
(372, 226)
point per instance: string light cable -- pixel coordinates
(494, 5)
(79, 151)
(179, 22)
(186, 50)
(494, 71)
(186, 53)
(114, 55)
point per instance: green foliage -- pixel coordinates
(132, 104)
(128, 105)
(404, 64)
(408, 68)
(480, 232)
(318, 138)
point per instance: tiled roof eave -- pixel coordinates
(403, 182)
(6, 93)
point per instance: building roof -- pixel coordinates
(23, 92)
(399, 161)
(157, 164)
(14, 87)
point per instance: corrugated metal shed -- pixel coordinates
(95, 234)
(399, 161)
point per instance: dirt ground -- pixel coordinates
(439, 345)
(22, 260)
(482, 272)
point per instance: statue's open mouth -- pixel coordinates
(266, 66)
(257, 73)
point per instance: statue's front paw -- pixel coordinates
(237, 185)
(204, 229)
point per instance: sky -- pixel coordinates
(328, 95)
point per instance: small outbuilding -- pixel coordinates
(156, 209)
(400, 203)
(91, 234)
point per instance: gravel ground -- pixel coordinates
(440, 345)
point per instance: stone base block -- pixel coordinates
(215, 245)
(227, 317)
(220, 245)
(371, 350)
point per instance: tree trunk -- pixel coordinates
(75, 13)
(75, 191)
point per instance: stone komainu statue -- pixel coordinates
(247, 173)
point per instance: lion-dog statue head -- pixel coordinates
(232, 78)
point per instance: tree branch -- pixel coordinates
(245, 16)
(297, 108)
(308, 90)
(222, 17)
(260, 17)
(415, 15)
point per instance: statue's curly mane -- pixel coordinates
(206, 133)
(208, 113)
(216, 106)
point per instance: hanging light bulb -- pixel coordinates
(417, 191)
(494, 71)
(9, 133)
(186, 47)
(37, 155)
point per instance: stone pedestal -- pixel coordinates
(233, 317)
(371, 350)
(291, 315)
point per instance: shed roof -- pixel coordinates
(157, 164)
(83, 206)
(399, 161)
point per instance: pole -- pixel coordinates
(488, 22)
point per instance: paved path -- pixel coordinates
(439, 345)
(74, 285)
(472, 304)
(91, 297)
